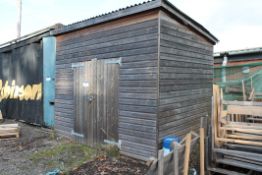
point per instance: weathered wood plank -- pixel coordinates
(148, 96)
(181, 61)
(186, 108)
(192, 55)
(103, 43)
(127, 52)
(111, 50)
(141, 115)
(142, 102)
(138, 121)
(116, 32)
(185, 79)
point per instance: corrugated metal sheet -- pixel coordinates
(138, 8)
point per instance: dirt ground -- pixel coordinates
(17, 156)
(107, 166)
(39, 150)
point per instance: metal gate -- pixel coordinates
(96, 85)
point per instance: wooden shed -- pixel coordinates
(27, 66)
(133, 76)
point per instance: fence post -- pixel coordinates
(244, 91)
(202, 151)
(187, 153)
(160, 162)
(175, 158)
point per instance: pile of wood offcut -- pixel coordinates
(236, 136)
(9, 130)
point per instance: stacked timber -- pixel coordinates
(9, 130)
(237, 134)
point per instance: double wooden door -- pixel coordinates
(96, 85)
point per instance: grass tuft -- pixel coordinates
(64, 156)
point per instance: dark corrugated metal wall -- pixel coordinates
(22, 96)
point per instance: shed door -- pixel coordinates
(96, 100)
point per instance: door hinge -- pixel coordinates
(77, 134)
(75, 65)
(114, 61)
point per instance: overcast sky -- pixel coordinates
(236, 23)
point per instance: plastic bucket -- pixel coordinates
(167, 143)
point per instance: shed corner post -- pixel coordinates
(158, 82)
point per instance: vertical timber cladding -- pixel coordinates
(135, 40)
(21, 83)
(96, 101)
(186, 74)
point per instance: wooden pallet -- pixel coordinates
(224, 171)
(9, 130)
(236, 142)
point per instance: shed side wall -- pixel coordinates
(186, 72)
(134, 39)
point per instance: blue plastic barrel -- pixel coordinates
(167, 143)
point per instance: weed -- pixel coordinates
(64, 156)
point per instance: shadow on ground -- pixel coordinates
(39, 150)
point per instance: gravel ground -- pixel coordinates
(39, 151)
(15, 153)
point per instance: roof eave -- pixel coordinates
(31, 35)
(147, 6)
(189, 21)
(108, 17)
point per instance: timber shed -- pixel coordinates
(133, 76)
(27, 78)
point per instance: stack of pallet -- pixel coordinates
(9, 130)
(236, 135)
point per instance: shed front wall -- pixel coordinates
(21, 79)
(135, 40)
(185, 80)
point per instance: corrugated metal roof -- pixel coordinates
(239, 52)
(129, 10)
(134, 9)
(31, 35)
(108, 13)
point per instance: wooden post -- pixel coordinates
(244, 90)
(19, 21)
(1, 116)
(215, 127)
(202, 151)
(187, 153)
(176, 158)
(251, 82)
(208, 157)
(160, 162)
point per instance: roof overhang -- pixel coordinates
(31, 35)
(238, 52)
(135, 9)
